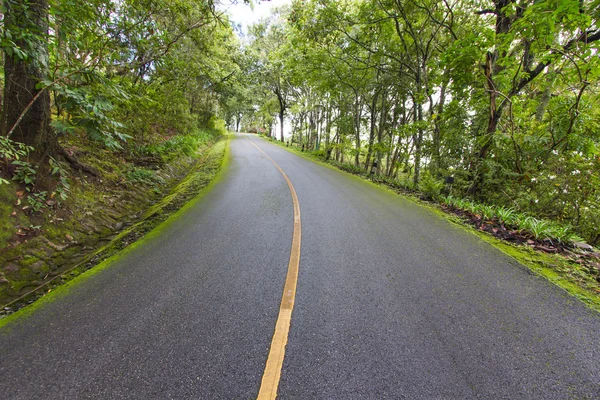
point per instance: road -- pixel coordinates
(392, 301)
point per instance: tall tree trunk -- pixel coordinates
(373, 124)
(491, 70)
(328, 126)
(381, 130)
(437, 131)
(418, 138)
(300, 128)
(281, 116)
(393, 163)
(312, 123)
(27, 115)
(357, 112)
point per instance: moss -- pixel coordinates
(8, 197)
(24, 275)
(552, 267)
(18, 285)
(28, 260)
(219, 160)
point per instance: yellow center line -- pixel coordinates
(272, 373)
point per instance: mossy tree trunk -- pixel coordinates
(26, 110)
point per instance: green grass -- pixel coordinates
(143, 176)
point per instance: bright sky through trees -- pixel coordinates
(245, 15)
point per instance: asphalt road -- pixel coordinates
(392, 302)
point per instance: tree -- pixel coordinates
(490, 92)
(26, 111)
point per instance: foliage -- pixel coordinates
(538, 228)
(133, 77)
(144, 176)
(25, 174)
(11, 152)
(431, 187)
(498, 94)
(63, 185)
(180, 145)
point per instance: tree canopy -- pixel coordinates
(499, 95)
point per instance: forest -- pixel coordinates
(498, 97)
(489, 107)
(106, 106)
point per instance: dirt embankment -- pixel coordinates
(102, 215)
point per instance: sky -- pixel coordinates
(242, 13)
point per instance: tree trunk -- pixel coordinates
(328, 127)
(32, 126)
(281, 122)
(437, 131)
(491, 70)
(392, 165)
(312, 129)
(381, 131)
(373, 124)
(357, 112)
(418, 139)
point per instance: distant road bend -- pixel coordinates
(391, 302)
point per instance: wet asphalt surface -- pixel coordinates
(392, 302)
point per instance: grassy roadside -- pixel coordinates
(202, 177)
(562, 271)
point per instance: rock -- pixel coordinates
(547, 249)
(11, 267)
(583, 246)
(40, 268)
(118, 225)
(56, 247)
(41, 251)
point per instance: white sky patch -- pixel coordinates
(244, 15)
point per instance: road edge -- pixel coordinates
(542, 265)
(63, 289)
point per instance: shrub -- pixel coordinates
(430, 186)
(506, 215)
(540, 229)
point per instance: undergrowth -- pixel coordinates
(432, 189)
(179, 145)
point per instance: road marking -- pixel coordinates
(272, 373)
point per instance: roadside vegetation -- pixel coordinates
(107, 106)
(547, 248)
(489, 108)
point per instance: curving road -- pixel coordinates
(392, 301)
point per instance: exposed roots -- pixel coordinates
(75, 164)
